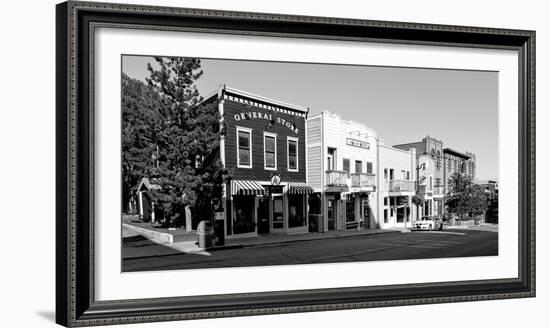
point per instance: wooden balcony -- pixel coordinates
(336, 178)
(359, 180)
(401, 185)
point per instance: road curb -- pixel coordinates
(224, 247)
(237, 246)
(315, 239)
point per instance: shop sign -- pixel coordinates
(357, 143)
(274, 189)
(268, 117)
(275, 179)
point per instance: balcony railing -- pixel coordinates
(362, 180)
(401, 185)
(336, 178)
(439, 190)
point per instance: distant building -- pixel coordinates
(397, 186)
(430, 171)
(488, 185)
(145, 205)
(342, 166)
(455, 161)
(491, 189)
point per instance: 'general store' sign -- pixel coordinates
(357, 143)
(267, 117)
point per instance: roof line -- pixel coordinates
(456, 152)
(265, 99)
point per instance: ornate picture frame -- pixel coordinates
(77, 22)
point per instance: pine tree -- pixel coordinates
(186, 137)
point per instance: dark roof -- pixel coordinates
(254, 97)
(456, 153)
(145, 182)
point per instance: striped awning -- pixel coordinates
(246, 187)
(299, 188)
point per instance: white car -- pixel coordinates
(428, 223)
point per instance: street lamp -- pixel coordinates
(423, 167)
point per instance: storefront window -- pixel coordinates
(244, 214)
(350, 209)
(296, 213)
(400, 214)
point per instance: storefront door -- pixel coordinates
(366, 213)
(277, 221)
(332, 213)
(263, 215)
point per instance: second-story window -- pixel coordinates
(244, 140)
(358, 166)
(270, 151)
(292, 152)
(346, 166)
(369, 168)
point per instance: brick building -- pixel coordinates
(431, 175)
(455, 161)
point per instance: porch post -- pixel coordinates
(188, 219)
(140, 200)
(409, 212)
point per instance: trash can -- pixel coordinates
(205, 234)
(219, 229)
(316, 223)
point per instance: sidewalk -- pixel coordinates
(481, 227)
(136, 245)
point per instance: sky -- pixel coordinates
(402, 105)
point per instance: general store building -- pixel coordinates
(264, 148)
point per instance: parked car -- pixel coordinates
(428, 223)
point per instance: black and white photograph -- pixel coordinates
(238, 163)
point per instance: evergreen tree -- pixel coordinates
(186, 136)
(140, 119)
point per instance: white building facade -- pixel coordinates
(341, 169)
(396, 186)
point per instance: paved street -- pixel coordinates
(394, 246)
